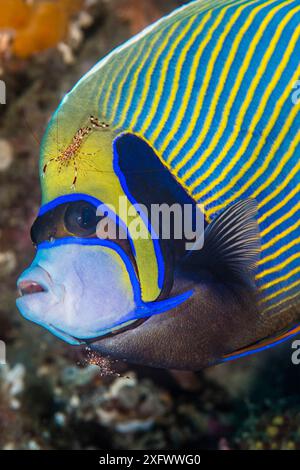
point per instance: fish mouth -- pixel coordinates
(30, 287)
(39, 284)
(34, 282)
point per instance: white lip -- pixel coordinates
(39, 276)
(26, 299)
(34, 306)
(21, 288)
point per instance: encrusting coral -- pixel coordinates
(36, 25)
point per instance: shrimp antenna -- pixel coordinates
(31, 132)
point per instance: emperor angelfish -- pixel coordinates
(199, 109)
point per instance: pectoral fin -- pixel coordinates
(232, 243)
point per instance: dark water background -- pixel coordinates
(53, 396)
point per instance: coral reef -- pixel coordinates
(53, 396)
(33, 26)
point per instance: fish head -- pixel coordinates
(78, 286)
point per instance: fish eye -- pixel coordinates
(80, 219)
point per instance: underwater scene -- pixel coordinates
(149, 225)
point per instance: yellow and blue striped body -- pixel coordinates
(210, 88)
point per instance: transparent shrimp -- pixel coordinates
(69, 155)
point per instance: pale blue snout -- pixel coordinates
(77, 291)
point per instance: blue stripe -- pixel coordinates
(155, 238)
(92, 200)
(259, 349)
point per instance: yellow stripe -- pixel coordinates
(163, 73)
(112, 73)
(124, 64)
(280, 205)
(281, 291)
(250, 93)
(278, 267)
(161, 81)
(279, 221)
(279, 252)
(264, 167)
(179, 65)
(169, 107)
(258, 148)
(112, 70)
(280, 279)
(283, 301)
(219, 89)
(128, 68)
(137, 74)
(202, 92)
(260, 110)
(276, 173)
(107, 84)
(266, 342)
(192, 75)
(279, 237)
